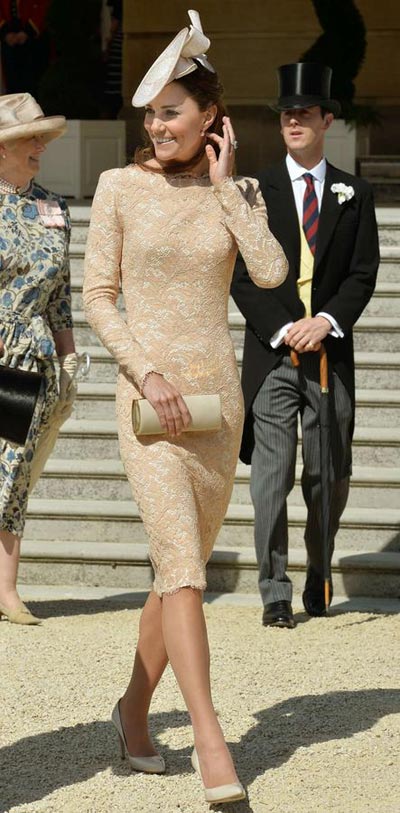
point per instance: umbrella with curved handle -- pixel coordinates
(325, 463)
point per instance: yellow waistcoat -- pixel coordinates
(304, 282)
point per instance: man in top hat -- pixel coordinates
(325, 221)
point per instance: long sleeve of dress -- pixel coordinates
(246, 218)
(59, 306)
(101, 282)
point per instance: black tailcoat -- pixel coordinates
(345, 268)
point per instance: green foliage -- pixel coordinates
(72, 85)
(342, 46)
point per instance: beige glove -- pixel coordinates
(70, 366)
(66, 382)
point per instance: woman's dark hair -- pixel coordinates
(205, 88)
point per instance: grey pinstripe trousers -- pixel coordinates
(287, 393)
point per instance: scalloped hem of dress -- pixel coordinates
(172, 592)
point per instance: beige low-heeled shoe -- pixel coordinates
(153, 764)
(20, 615)
(223, 793)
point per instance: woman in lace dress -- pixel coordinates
(169, 227)
(35, 311)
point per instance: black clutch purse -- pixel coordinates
(19, 391)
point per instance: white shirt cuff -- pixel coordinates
(336, 331)
(278, 337)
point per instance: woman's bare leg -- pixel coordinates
(185, 637)
(150, 661)
(9, 561)
(173, 628)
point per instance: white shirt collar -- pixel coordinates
(296, 171)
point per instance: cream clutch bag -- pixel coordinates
(204, 409)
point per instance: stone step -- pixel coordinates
(371, 445)
(377, 334)
(389, 268)
(127, 565)
(105, 480)
(371, 333)
(385, 300)
(373, 370)
(377, 370)
(374, 407)
(369, 529)
(388, 218)
(80, 216)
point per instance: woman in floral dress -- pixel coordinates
(35, 311)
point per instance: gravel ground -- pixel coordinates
(312, 715)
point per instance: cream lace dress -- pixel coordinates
(171, 242)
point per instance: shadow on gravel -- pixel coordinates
(67, 607)
(62, 608)
(34, 767)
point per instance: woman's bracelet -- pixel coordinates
(145, 377)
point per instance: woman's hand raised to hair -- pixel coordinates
(171, 409)
(221, 167)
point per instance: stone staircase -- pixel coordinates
(83, 526)
(383, 172)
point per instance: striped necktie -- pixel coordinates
(310, 212)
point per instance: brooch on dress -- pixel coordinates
(50, 213)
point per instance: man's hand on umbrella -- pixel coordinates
(306, 335)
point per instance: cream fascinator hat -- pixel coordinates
(177, 60)
(21, 117)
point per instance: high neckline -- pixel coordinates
(171, 176)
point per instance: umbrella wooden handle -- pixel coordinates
(327, 598)
(294, 358)
(323, 369)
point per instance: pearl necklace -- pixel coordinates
(7, 188)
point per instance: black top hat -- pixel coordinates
(305, 84)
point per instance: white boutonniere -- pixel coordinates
(343, 192)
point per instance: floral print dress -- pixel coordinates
(35, 303)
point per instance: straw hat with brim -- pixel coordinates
(305, 84)
(180, 57)
(22, 117)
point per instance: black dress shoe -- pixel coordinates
(278, 614)
(313, 596)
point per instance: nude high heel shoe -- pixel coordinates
(153, 764)
(223, 793)
(21, 615)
